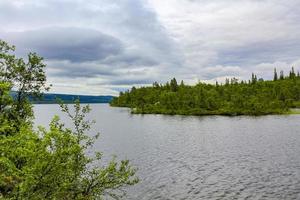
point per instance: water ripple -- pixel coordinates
(203, 157)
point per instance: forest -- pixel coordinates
(253, 97)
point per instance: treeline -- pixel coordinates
(234, 97)
(67, 98)
(48, 164)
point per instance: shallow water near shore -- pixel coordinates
(208, 157)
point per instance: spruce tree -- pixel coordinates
(174, 85)
(275, 75)
(292, 73)
(281, 75)
(181, 83)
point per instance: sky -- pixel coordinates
(102, 47)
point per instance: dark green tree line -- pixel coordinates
(253, 97)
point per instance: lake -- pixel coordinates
(211, 157)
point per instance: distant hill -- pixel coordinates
(50, 98)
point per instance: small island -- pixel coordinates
(234, 97)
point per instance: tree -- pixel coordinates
(226, 81)
(155, 85)
(275, 75)
(49, 164)
(5, 98)
(281, 75)
(234, 80)
(27, 78)
(182, 83)
(6, 123)
(174, 85)
(53, 164)
(253, 78)
(292, 73)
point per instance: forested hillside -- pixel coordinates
(252, 97)
(49, 98)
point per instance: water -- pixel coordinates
(214, 157)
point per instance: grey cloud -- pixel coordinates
(131, 59)
(73, 44)
(120, 81)
(121, 34)
(66, 69)
(222, 71)
(134, 42)
(261, 52)
(131, 21)
(131, 82)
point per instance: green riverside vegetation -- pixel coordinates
(49, 164)
(253, 97)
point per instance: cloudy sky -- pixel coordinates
(105, 46)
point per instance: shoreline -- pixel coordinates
(291, 111)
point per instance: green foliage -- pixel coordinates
(54, 163)
(255, 97)
(8, 113)
(25, 77)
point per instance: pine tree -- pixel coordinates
(155, 85)
(226, 81)
(292, 73)
(254, 78)
(174, 85)
(181, 83)
(281, 75)
(275, 75)
(168, 85)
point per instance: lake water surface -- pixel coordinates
(213, 157)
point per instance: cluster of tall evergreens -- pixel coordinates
(48, 164)
(252, 97)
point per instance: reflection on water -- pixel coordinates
(212, 157)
